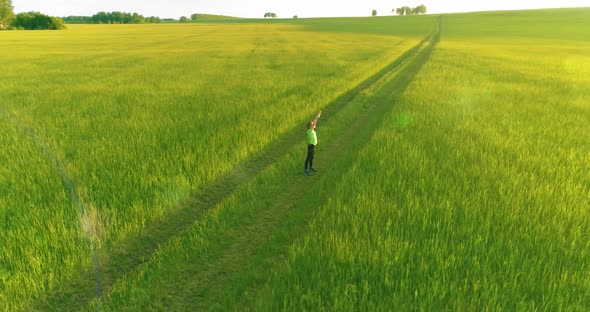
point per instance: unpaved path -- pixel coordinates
(229, 261)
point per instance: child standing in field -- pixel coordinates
(312, 141)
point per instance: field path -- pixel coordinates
(238, 248)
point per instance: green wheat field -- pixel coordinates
(160, 167)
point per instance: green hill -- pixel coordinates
(213, 17)
(162, 169)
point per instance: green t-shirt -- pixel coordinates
(312, 137)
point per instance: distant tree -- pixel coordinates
(6, 13)
(23, 21)
(37, 21)
(270, 14)
(57, 23)
(100, 18)
(118, 18)
(77, 19)
(153, 20)
(374, 13)
(294, 16)
(421, 9)
(112, 18)
(194, 16)
(137, 19)
(183, 19)
(406, 10)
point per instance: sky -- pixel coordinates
(283, 8)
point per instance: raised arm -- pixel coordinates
(315, 121)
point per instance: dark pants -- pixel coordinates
(309, 159)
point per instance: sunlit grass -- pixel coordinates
(236, 233)
(141, 117)
(472, 196)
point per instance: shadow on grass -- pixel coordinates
(138, 249)
(238, 263)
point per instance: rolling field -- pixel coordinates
(472, 195)
(159, 167)
(112, 129)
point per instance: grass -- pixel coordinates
(470, 196)
(243, 234)
(138, 122)
(454, 178)
(209, 17)
(385, 25)
(562, 24)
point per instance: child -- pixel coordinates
(312, 141)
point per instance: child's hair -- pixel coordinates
(309, 124)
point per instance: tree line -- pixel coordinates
(36, 21)
(406, 10)
(112, 18)
(27, 20)
(6, 13)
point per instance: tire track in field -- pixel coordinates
(231, 264)
(68, 184)
(138, 249)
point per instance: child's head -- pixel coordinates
(310, 125)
